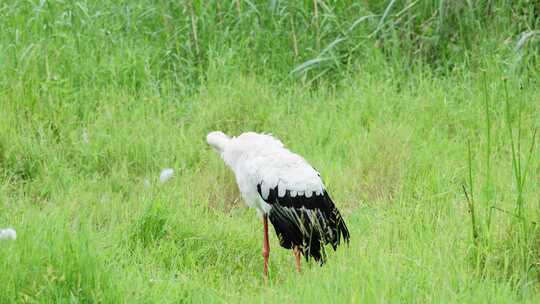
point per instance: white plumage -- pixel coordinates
(261, 159)
(281, 185)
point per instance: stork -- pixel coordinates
(284, 188)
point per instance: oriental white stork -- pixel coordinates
(284, 188)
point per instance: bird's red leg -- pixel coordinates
(296, 251)
(266, 246)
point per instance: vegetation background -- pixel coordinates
(420, 115)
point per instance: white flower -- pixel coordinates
(8, 234)
(165, 175)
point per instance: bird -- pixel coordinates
(285, 189)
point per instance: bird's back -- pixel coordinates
(285, 186)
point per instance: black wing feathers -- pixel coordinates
(307, 222)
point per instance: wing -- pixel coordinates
(302, 212)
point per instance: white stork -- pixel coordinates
(282, 186)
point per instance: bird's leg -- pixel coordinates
(296, 251)
(266, 246)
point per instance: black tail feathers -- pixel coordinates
(309, 226)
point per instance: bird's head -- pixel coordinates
(218, 140)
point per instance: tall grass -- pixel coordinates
(521, 253)
(395, 102)
(175, 41)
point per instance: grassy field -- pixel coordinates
(401, 105)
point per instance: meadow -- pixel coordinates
(421, 116)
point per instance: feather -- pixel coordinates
(308, 222)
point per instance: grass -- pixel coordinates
(399, 105)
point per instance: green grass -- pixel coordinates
(399, 105)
